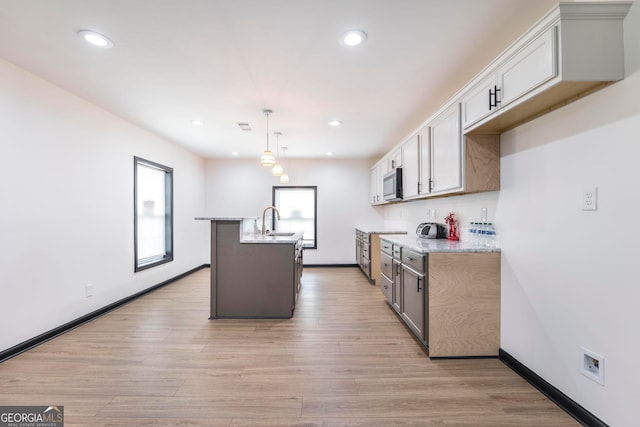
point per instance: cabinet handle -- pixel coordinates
(410, 259)
(494, 94)
(419, 284)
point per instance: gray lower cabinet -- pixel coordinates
(449, 300)
(363, 252)
(386, 277)
(414, 292)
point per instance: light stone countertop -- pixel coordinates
(247, 235)
(424, 246)
(379, 230)
(267, 238)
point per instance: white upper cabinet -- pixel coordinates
(573, 50)
(424, 136)
(532, 66)
(446, 151)
(395, 159)
(375, 185)
(411, 167)
(476, 102)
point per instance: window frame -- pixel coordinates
(168, 226)
(315, 208)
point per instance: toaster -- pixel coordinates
(431, 230)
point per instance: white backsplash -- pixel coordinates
(407, 215)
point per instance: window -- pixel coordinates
(297, 206)
(153, 213)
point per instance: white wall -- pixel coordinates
(243, 188)
(407, 215)
(66, 215)
(570, 278)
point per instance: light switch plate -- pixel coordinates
(590, 199)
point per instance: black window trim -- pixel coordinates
(315, 208)
(168, 255)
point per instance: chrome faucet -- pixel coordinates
(264, 213)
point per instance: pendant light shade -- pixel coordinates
(267, 158)
(284, 177)
(277, 168)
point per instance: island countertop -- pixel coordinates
(248, 235)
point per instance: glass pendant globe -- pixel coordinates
(284, 178)
(277, 170)
(267, 158)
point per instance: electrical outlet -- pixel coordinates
(592, 366)
(590, 199)
(88, 290)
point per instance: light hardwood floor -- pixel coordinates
(343, 360)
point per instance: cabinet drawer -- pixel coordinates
(386, 247)
(413, 259)
(365, 251)
(386, 265)
(396, 252)
(386, 286)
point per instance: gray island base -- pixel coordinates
(252, 276)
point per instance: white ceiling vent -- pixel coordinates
(244, 126)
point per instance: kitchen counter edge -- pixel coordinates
(425, 246)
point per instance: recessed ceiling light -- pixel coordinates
(197, 122)
(235, 153)
(95, 39)
(329, 153)
(353, 37)
(335, 122)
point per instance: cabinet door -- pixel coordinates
(475, 103)
(424, 153)
(395, 159)
(411, 168)
(396, 298)
(530, 67)
(446, 149)
(386, 265)
(375, 185)
(413, 292)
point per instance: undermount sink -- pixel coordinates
(281, 233)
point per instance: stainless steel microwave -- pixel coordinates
(392, 185)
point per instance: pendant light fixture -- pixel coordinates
(267, 158)
(277, 168)
(284, 178)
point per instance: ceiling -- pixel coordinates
(224, 61)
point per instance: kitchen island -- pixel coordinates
(252, 275)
